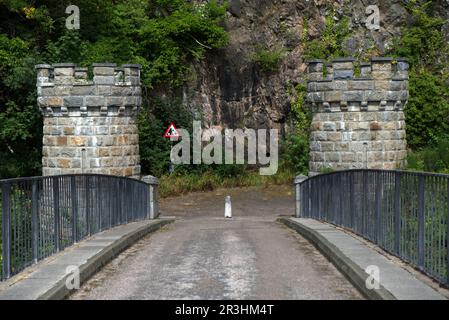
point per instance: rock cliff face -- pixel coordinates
(232, 90)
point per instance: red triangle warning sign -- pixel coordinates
(171, 132)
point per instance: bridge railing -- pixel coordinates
(405, 213)
(41, 216)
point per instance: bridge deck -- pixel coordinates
(204, 256)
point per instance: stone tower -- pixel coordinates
(90, 126)
(358, 121)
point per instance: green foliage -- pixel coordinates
(324, 170)
(295, 149)
(153, 122)
(431, 159)
(329, 44)
(179, 30)
(19, 120)
(172, 185)
(230, 170)
(164, 36)
(427, 112)
(68, 47)
(295, 154)
(424, 44)
(267, 59)
(301, 112)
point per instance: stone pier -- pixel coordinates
(358, 120)
(90, 125)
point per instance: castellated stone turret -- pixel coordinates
(90, 126)
(358, 121)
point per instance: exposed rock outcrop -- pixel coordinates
(232, 90)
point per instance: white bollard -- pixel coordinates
(228, 207)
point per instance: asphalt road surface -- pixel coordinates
(205, 256)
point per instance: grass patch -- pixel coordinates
(433, 158)
(268, 59)
(173, 185)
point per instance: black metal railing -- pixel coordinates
(405, 213)
(43, 215)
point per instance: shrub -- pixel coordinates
(268, 59)
(152, 122)
(295, 148)
(427, 112)
(295, 154)
(164, 36)
(434, 158)
(329, 44)
(424, 44)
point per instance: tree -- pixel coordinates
(164, 36)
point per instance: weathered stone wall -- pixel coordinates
(90, 126)
(358, 121)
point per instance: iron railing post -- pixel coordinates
(351, 199)
(87, 197)
(110, 202)
(34, 220)
(313, 199)
(6, 228)
(421, 217)
(125, 201)
(331, 196)
(397, 213)
(155, 202)
(128, 202)
(297, 200)
(447, 235)
(122, 203)
(98, 201)
(307, 201)
(316, 199)
(365, 210)
(342, 190)
(340, 194)
(318, 192)
(378, 213)
(56, 213)
(134, 203)
(74, 197)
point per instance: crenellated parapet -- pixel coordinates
(65, 90)
(381, 84)
(90, 125)
(358, 119)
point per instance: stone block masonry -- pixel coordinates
(358, 121)
(90, 126)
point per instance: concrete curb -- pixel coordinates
(356, 275)
(60, 291)
(53, 287)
